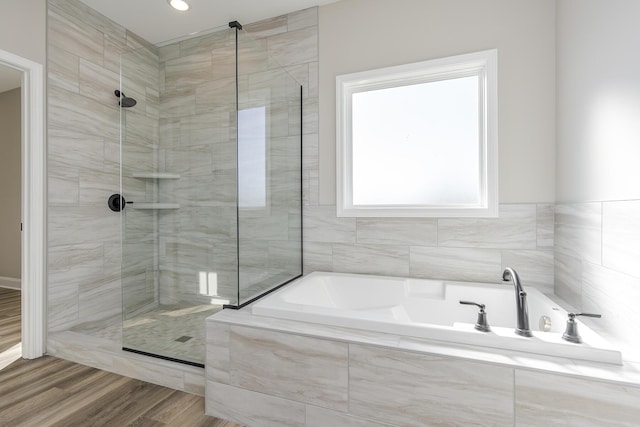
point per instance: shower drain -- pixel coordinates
(183, 338)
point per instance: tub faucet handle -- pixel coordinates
(571, 333)
(481, 324)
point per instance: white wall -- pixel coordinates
(10, 168)
(597, 230)
(598, 100)
(23, 28)
(358, 35)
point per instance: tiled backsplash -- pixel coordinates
(466, 249)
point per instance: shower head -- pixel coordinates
(125, 102)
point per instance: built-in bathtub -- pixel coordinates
(431, 309)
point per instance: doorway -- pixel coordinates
(33, 178)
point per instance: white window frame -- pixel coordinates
(484, 64)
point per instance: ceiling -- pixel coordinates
(156, 21)
(9, 78)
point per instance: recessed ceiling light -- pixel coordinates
(180, 5)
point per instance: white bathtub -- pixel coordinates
(430, 309)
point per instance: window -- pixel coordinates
(419, 139)
(252, 158)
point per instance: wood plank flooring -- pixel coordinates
(53, 392)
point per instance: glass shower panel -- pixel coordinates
(269, 171)
(178, 175)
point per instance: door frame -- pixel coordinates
(33, 204)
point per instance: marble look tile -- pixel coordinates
(62, 306)
(554, 400)
(386, 260)
(207, 42)
(96, 187)
(74, 36)
(171, 51)
(139, 68)
(221, 92)
(545, 214)
(98, 83)
(313, 79)
(535, 268)
(467, 264)
(267, 27)
(62, 69)
(302, 19)
(273, 227)
(416, 389)
(397, 231)
(194, 383)
(177, 102)
(252, 58)
(578, 231)
(621, 236)
(80, 12)
(614, 295)
(67, 110)
(321, 417)
(285, 256)
(70, 149)
(273, 363)
(251, 408)
(322, 225)
(317, 257)
(217, 352)
(188, 70)
(100, 300)
(135, 42)
(310, 116)
(514, 229)
(568, 279)
(310, 149)
(223, 61)
(74, 264)
(85, 224)
(294, 47)
(114, 47)
(62, 186)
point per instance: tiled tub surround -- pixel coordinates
(273, 372)
(465, 249)
(597, 269)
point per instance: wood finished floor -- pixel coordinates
(53, 392)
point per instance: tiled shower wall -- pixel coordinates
(597, 267)
(83, 59)
(84, 255)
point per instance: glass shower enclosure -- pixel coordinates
(211, 131)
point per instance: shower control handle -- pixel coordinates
(482, 324)
(116, 202)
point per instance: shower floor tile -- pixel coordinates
(175, 331)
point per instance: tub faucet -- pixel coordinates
(522, 313)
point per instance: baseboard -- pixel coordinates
(10, 282)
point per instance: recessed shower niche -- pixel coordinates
(211, 174)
